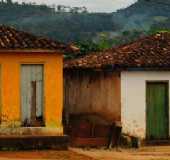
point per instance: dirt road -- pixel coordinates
(42, 155)
(145, 153)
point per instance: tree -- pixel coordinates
(61, 8)
(9, 1)
(84, 10)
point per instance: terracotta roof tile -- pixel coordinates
(149, 52)
(12, 39)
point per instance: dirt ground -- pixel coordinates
(42, 155)
(144, 153)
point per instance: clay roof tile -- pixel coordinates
(151, 51)
(12, 39)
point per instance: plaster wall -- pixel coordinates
(133, 99)
(10, 97)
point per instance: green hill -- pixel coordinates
(43, 20)
(114, 28)
(144, 14)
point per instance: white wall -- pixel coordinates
(133, 99)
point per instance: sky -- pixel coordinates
(92, 5)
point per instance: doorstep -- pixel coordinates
(157, 142)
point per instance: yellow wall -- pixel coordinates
(11, 87)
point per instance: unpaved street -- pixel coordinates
(41, 155)
(145, 153)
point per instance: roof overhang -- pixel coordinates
(111, 68)
(30, 51)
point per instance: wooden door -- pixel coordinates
(157, 111)
(32, 94)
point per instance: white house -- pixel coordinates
(143, 70)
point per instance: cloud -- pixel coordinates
(92, 5)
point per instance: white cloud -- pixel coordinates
(92, 5)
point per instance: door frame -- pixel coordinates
(166, 82)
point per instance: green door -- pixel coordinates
(157, 111)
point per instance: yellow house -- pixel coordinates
(31, 87)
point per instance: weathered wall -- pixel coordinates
(93, 92)
(133, 99)
(11, 88)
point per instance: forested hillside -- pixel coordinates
(44, 20)
(78, 25)
(144, 14)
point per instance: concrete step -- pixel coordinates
(157, 142)
(28, 142)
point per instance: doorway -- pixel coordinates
(157, 116)
(32, 95)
